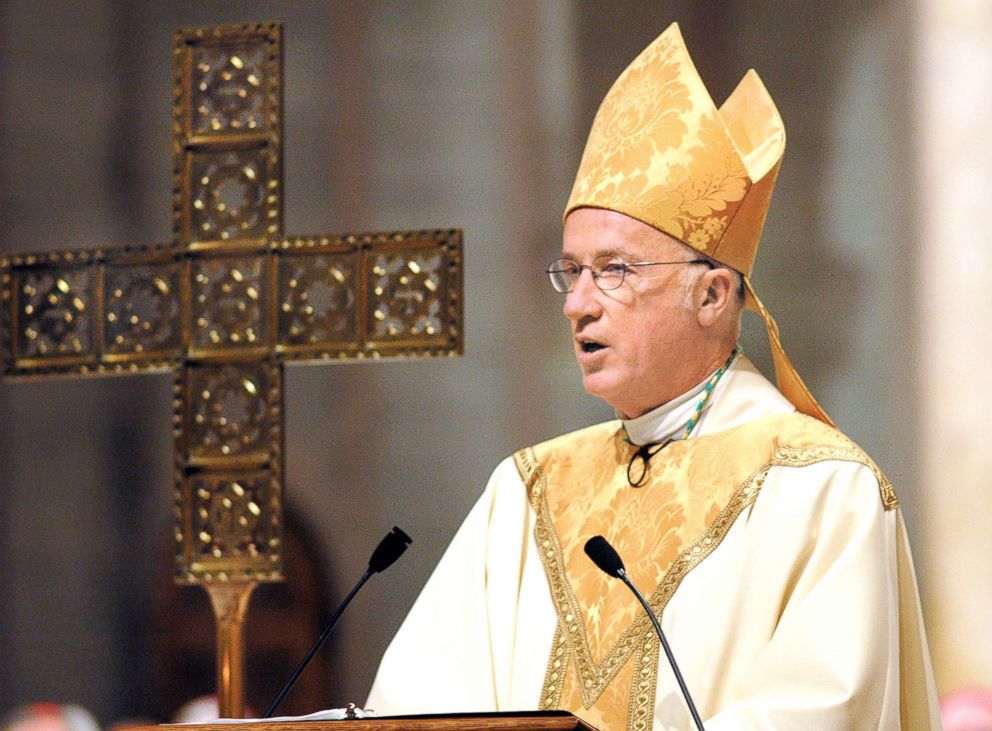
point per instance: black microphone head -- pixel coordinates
(389, 549)
(604, 556)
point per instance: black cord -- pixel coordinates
(644, 453)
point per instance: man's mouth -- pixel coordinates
(590, 346)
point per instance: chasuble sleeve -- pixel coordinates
(846, 649)
(452, 652)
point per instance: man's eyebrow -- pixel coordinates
(620, 252)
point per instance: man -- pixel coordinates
(770, 545)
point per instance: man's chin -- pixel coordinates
(613, 392)
(601, 386)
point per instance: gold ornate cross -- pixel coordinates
(223, 307)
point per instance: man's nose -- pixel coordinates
(583, 300)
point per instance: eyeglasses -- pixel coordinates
(607, 271)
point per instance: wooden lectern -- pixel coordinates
(521, 721)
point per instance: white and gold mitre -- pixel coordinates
(661, 151)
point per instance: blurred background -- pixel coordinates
(473, 115)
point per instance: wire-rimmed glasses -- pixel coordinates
(607, 271)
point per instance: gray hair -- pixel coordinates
(690, 276)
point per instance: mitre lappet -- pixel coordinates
(661, 151)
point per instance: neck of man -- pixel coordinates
(690, 377)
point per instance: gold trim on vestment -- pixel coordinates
(644, 687)
(637, 644)
(795, 457)
(554, 676)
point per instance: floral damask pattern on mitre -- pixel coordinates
(658, 151)
(714, 184)
(641, 117)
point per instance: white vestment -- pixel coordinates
(806, 616)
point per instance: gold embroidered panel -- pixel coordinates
(604, 660)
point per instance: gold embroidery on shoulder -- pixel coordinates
(529, 471)
(788, 456)
(889, 499)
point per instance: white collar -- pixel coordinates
(742, 394)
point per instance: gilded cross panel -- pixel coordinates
(223, 306)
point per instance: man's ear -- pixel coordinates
(718, 288)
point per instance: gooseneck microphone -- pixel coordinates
(389, 549)
(609, 562)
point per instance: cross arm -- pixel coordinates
(353, 296)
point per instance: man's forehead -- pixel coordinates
(591, 232)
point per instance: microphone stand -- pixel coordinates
(609, 562)
(316, 645)
(622, 575)
(390, 548)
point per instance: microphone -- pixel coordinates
(390, 548)
(609, 562)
